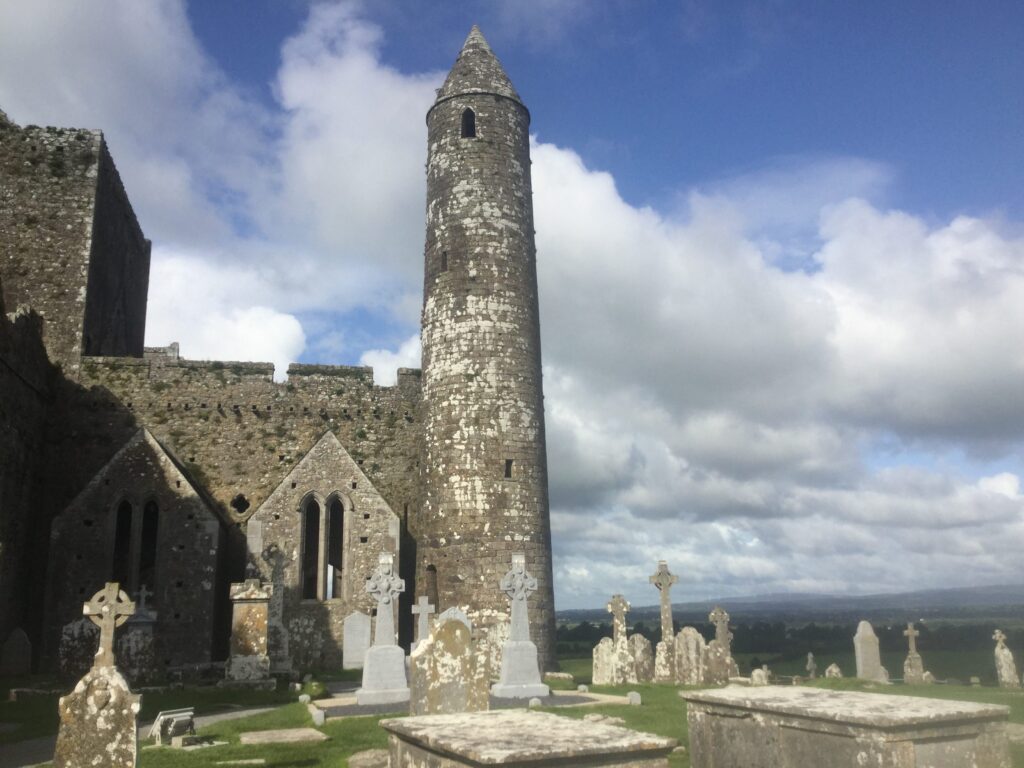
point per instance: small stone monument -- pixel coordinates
(384, 680)
(664, 580)
(1006, 669)
(759, 677)
(913, 666)
(422, 611)
(443, 672)
(136, 652)
(613, 664)
(357, 634)
(833, 672)
(16, 654)
(812, 666)
(690, 651)
(249, 664)
(869, 661)
(98, 719)
(520, 672)
(719, 664)
(643, 657)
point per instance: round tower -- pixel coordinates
(485, 469)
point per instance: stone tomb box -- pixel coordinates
(796, 727)
(520, 739)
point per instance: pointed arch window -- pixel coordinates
(310, 578)
(147, 547)
(468, 123)
(135, 546)
(335, 547)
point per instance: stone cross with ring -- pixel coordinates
(108, 609)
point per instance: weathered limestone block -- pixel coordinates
(16, 654)
(759, 677)
(521, 738)
(718, 664)
(603, 665)
(1006, 669)
(690, 650)
(249, 663)
(833, 671)
(443, 674)
(869, 661)
(665, 662)
(913, 669)
(643, 658)
(98, 723)
(796, 727)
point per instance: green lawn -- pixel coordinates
(662, 713)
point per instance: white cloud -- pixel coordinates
(386, 363)
(705, 403)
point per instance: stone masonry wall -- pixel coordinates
(485, 466)
(47, 199)
(70, 246)
(26, 389)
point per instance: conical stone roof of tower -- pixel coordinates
(477, 70)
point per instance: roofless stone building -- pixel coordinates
(179, 477)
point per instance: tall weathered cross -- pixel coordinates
(422, 610)
(1000, 638)
(720, 619)
(385, 586)
(518, 584)
(664, 580)
(911, 634)
(618, 608)
(108, 609)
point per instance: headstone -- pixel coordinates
(16, 654)
(76, 648)
(384, 680)
(1006, 669)
(664, 580)
(759, 677)
(520, 672)
(913, 666)
(633, 697)
(249, 663)
(623, 668)
(719, 665)
(603, 662)
(643, 658)
(799, 726)
(534, 703)
(443, 674)
(582, 688)
(356, 638)
(928, 678)
(869, 661)
(305, 698)
(172, 722)
(98, 719)
(812, 666)
(422, 611)
(832, 671)
(690, 651)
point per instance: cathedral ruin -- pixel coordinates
(177, 477)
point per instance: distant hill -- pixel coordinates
(959, 603)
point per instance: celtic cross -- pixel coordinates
(108, 609)
(664, 580)
(720, 619)
(385, 586)
(911, 634)
(618, 607)
(518, 584)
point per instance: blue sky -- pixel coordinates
(780, 251)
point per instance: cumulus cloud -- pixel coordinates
(719, 377)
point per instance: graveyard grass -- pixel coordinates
(662, 713)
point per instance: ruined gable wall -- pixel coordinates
(118, 285)
(70, 246)
(26, 379)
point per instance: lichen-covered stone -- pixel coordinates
(869, 660)
(443, 673)
(1006, 668)
(833, 672)
(98, 723)
(643, 658)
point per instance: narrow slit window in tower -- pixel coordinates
(310, 548)
(335, 531)
(444, 261)
(468, 124)
(121, 567)
(508, 469)
(148, 550)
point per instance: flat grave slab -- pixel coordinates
(521, 739)
(786, 727)
(282, 736)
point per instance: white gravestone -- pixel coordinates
(357, 636)
(869, 661)
(384, 679)
(520, 672)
